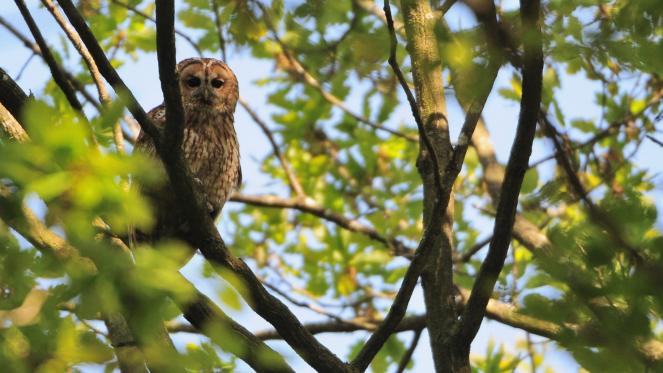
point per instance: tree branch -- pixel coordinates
(104, 97)
(443, 196)
(56, 71)
(11, 95)
(136, 11)
(107, 70)
(407, 356)
(10, 127)
(515, 172)
(295, 185)
(209, 319)
(295, 68)
(311, 207)
(594, 212)
(203, 233)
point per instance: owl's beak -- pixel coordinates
(207, 95)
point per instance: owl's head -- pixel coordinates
(208, 83)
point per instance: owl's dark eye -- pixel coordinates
(217, 83)
(193, 81)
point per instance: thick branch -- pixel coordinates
(173, 135)
(12, 96)
(10, 127)
(431, 123)
(515, 172)
(204, 234)
(209, 319)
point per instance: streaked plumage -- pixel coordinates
(209, 96)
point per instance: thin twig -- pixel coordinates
(597, 215)
(314, 307)
(219, 28)
(287, 168)
(474, 249)
(655, 140)
(135, 10)
(407, 356)
(296, 69)
(25, 66)
(309, 206)
(73, 37)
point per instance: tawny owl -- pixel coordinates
(210, 148)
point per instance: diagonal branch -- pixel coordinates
(208, 318)
(204, 234)
(11, 95)
(515, 172)
(102, 92)
(106, 69)
(56, 70)
(595, 213)
(11, 129)
(407, 356)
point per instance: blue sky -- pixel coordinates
(577, 100)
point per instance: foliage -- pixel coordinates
(330, 97)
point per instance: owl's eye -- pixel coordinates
(217, 83)
(193, 81)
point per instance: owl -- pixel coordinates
(209, 147)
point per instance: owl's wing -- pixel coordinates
(144, 143)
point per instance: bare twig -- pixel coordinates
(655, 140)
(407, 356)
(219, 28)
(474, 249)
(25, 66)
(136, 11)
(287, 168)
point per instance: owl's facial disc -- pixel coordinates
(208, 83)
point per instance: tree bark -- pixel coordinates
(437, 277)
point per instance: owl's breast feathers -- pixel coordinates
(210, 149)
